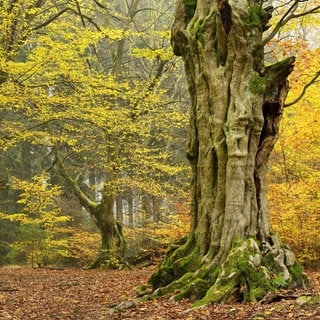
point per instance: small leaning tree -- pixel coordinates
(231, 253)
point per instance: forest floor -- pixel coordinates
(70, 294)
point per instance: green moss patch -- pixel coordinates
(256, 16)
(257, 84)
(246, 275)
(190, 7)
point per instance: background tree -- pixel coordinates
(231, 253)
(110, 128)
(41, 224)
(19, 21)
(294, 167)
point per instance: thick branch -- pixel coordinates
(100, 5)
(83, 198)
(281, 22)
(313, 10)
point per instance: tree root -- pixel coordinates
(107, 259)
(247, 274)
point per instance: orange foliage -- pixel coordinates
(294, 177)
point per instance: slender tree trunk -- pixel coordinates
(231, 252)
(118, 63)
(129, 198)
(146, 207)
(119, 208)
(156, 208)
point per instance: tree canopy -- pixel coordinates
(93, 98)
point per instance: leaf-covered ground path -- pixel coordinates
(45, 294)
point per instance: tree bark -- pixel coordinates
(119, 208)
(112, 250)
(231, 252)
(113, 244)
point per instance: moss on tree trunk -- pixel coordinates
(231, 252)
(247, 274)
(112, 250)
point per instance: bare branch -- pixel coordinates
(54, 17)
(84, 17)
(311, 11)
(289, 15)
(100, 5)
(83, 198)
(313, 80)
(284, 19)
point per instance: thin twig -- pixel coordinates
(289, 15)
(313, 80)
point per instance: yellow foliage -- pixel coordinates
(163, 54)
(164, 232)
(295, 214)
(59, 92)
(41, 224)
(82, 246)
(295, 168)
(38, 198)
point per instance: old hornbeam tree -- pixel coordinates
(231, 253)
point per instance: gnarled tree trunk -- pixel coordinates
(113, 244)
(112, 250)
(231, 252)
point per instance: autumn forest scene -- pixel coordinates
(160, 159)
